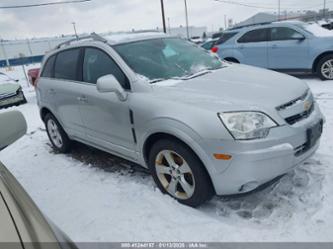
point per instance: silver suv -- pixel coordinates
(201, 125)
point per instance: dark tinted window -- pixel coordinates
(48, 68)
(258, 35)
(97, 64)
(217, 35)
(67, 64)
(225, 37)
(208, 45)
(284, 33)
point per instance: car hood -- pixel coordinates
(234, 87)
(8, 88)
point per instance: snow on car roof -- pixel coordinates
(130, 37)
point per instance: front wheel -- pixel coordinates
(58, 137)
(325, 68)
(178, 172)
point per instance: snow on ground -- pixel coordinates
(94, 196)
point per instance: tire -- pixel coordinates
(58, 137)
(170, 180)
(325, 63)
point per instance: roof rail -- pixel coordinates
(250, 25)
(92, 36)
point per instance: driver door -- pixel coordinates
(106, 118)
(288, 49)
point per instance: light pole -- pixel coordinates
(4, 52)
(163, 16)
(324, 10)
(279, 10)
(169, 27)
(186, 15)
(73, 23)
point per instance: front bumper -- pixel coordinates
(15, 99)
(256, 162)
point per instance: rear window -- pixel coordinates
(258, 35)
(48, 68)
(225, 37)
(66, 64)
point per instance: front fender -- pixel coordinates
(181, 131)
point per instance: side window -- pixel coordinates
(97, 64)
(225, 37)
(66, 65)
(48, 68)
(258, 35)
(284, 33)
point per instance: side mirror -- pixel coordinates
(109, 83)
(12, 127)
(298, 37)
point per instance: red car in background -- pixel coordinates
(33, 75)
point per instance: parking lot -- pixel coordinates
(94, 196)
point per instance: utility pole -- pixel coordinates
(73, 23)
(169, 27)
(186, 15)
(324, 10)
(279, 10)
(225, 22)
(4, 53)
(163, 16)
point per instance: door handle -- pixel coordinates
(51, 91)
(241, 47)
(82, 99)
(274, 46)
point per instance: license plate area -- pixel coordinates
(313, 134)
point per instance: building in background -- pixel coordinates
(193, 31)
(307, 16)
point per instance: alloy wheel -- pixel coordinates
(55, 135)
(327, 69)
(175, 174)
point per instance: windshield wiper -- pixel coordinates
(197, 74)
(163, 79)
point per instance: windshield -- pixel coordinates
(166, 58)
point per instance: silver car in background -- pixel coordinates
(201, 125)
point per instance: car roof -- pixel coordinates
(263, 25)
(119, 38)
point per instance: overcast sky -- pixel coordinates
(117, 15)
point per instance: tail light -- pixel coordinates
(214, 49)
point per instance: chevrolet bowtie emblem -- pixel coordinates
(307, 105)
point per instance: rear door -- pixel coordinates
(253, 47)
(64, 91)
(287, 49)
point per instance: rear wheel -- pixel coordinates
(325, 68)
(56, 134)
(178, 172)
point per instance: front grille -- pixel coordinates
(298, 117)
(300, 150)
(7, 95)
(293, 102)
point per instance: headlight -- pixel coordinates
(247, 125)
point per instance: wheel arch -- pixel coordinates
(318, 58)
(192, 145)
(44, 111)
(232, 59)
